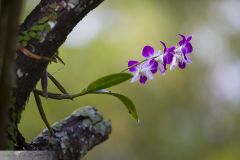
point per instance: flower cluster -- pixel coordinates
(158, 60)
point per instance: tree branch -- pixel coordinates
(75, 135)
(31, 70)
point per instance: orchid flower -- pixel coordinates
(142, 71)
(157, 60)
(168, 55)
(181, 58)
(149, 53)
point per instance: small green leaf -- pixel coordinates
(24, 43)
(53, 16)
(32, 34)
(37, 28)
(26, 37)
(108, 81)
(43, 20)
(47, 27)
(20, 38)
(125, 100)
(38, 37)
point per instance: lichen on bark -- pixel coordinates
(75, 135)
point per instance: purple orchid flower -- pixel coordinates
(181, 58)
(167, 55)
(142, 71)
(149, 53)
(156, 59)
(185, 44)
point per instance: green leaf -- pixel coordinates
(20, 38)
(38, 37)
(108, 81)
(37, 28)
(26, 37)
(43, 20)
(24, 43)
(32, 34)
(47, 27)
(24, 32)
(125, 100)
(53, 16)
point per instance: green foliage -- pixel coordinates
(34, 32)
(24, 43)
(125, 100)
(37, 27)
(97, 86)
(108, 81)
(53, 16)
(47, 27)
(43, 20)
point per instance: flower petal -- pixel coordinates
(158, 53)
(184, 49)
(164, 63)
(189, 38)
(147, 51)
(154, 66)
(188, 59)
(181, 42)
(164, 46)
(173, 64)
(168, 58)
(162, 69)
(143, 79)
(171, 49)
(132, 63)
(189, 48)
(154, 70)
(135, 77)
(182, 65)
(149, 75)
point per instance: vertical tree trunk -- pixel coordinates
(9, 16)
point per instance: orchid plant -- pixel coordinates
(139, 71)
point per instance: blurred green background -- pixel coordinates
(185, 115)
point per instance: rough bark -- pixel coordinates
(75, 135)
(32, 69)
(9, 16)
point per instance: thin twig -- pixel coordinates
(60, 96)
(42, 113)
(44, 83)
(60, 59)
(57, 84)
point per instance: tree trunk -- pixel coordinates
(9, 16)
